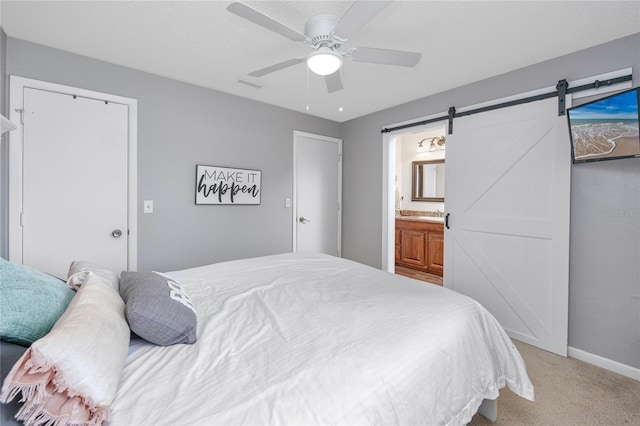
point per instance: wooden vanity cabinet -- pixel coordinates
(420, 245)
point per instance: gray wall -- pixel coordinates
(604, 315)
(179, 126)
(604, 284)
(3, 69)
(4, 159)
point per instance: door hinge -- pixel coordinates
(21, 111)
(21, 219)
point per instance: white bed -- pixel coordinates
(314, 339)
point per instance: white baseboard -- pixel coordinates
(615, 366)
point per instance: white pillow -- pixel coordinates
(78, 274)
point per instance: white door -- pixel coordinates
(74, 182)
(317, 192)
(507, 196)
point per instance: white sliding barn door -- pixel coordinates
(507, 196)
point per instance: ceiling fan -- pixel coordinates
(325, 34)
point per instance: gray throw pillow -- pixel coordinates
(157, 308)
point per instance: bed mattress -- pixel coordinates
(314, 339)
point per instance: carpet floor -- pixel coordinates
(568, 392)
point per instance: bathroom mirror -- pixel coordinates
(427, 180)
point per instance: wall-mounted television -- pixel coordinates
(605, 129)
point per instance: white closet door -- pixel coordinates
(507, 195)
(317, 191)
(75, 183)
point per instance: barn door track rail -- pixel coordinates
(562, 90)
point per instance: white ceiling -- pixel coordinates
(200, 42)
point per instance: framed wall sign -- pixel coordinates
(224, 185)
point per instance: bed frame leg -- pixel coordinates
(489, 409)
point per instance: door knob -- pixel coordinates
(303, 220)
(116, 233)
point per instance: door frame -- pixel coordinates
(389, 147)
(296, 137)
(16, 104)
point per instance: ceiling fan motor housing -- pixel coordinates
(319, 29)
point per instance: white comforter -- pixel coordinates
(314, 339)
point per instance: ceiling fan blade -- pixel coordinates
(386, 56)
(357, 16)
(334, 82)
(265, 21)
(276, 67)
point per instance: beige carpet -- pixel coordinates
(568, 392)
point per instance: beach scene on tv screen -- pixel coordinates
(607, 128)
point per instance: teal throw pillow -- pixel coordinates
(30, 303)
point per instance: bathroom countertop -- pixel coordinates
(432, 219)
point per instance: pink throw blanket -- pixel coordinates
(71, 375)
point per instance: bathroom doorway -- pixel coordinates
(414, 204)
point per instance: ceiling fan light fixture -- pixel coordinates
(324, 61)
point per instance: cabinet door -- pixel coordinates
(398, 245)
(435, 259)
(413, 247)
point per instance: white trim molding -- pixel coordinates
(607, 364)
